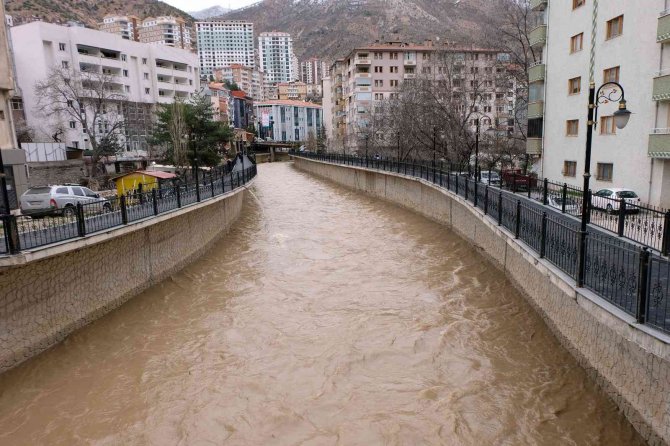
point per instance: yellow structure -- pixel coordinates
(141, 181)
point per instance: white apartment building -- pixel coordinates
(326, 85)
(288, 120)
(223, 43)
(166, 30)
(275, 53)
(144, 74)
(631, 47)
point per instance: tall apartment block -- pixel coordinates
(224, 43)
(164, 30)
(275, 53)
(312, 71)
(580, 42)
(140, 73)
(370, 75)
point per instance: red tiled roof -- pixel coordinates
(239, 94)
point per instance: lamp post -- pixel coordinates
(3, 186)
(477, 152)
(621, 117)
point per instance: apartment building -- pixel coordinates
(312, 71)
(125, 26)
(224, 43)
(141, 73)
(614, 41)
(326, 86)
(275, 54)
(288, 120)
(293, 91)
(370, 75)
(166, 30)
(248, 79)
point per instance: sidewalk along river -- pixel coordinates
(324, 317)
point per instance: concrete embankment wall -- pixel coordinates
(49, 293)
(630, 362)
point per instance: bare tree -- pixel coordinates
(92, 100)
(177, 131)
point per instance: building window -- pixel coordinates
(607, 126)
(379, 69)
(73, 125)
(615, 27)
(61, 46)
(75, 144)
(123, 57)
(393, 69)
(572, 127)
(569, 168)
(127, 88)
(611, 75)
(65, 64)
(147, 91)
(17, 104)
(394, 83)
(575, 85)
(125, 73)
(379, 83)
(144, 61)
(393, 56)
(146, 76)
(577, 3)
(576, 43)
(604, 171)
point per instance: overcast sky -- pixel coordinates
(197, 5)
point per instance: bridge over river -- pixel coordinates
(325, 317)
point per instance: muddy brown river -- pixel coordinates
(324, 317)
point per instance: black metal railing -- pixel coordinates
(623, 273)
(23, 233)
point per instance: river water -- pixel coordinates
(323, 318)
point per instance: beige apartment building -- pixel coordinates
(292, 91)
(370, 75)
(164, 30)
(249, 79)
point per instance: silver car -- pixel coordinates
(58, 200)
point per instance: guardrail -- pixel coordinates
(25, 233)
(623, 273)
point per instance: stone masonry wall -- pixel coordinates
(49, 293)
(629, 362)
(56, 172)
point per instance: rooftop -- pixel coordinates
(289, 103)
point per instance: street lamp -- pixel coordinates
(621, 118)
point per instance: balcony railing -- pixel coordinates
(362, 61)
(538, 36)
(659, 143)
(534, 146)
(538, 5)
(661, 86)
(663, 30)
(535, 109)
(410, 62)
(409, 75)
(536, 72)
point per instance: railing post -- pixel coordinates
(475, 199)
(486, 200)
(154, 200)
(545, 198)
(457, 182)
(238, 179)
(622, 217)
(587, 194)
(514, 182)
(666, 234)
(81, 227)
(642, 289)
(177, 190)
(211, 182)
(528, 185)
(543, 237)
(500, 208)
(466, 189)
(12, 234)
(449, 178)
(564, 196)
(197, 186)
(124, 210)
(517, 226)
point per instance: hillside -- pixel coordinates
(330, 28)
(207, 13)
(89, 12)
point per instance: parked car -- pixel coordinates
(571, 206)
(610, 199)
(58, 200)
(490, 177)
(516, 180)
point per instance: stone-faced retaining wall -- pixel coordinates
(629, 361)
(47, 294)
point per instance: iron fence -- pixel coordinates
(24, 233)
(621, 272)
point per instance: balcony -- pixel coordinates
(409, 76)
(410, 62)
(538, 36)
(663, 31)
(536, 72)
(538, 5)
(535, 109)
(362, 61)
(659, 143)
(661, 88)
(534, 146)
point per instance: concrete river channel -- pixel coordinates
(324, 317)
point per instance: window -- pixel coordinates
(61, 47)
(144, 61)
(146, 76)
(75, 144)
(569, 168)
(607, 126)
(611, 74)
(73, 125)
(61, 190)
(604, 171)
(123, 57)
(78, 192)
(17, 104)
(379, 69)
(394, 83)
(393, 56)
(577, 43)
(379, 83)
(393, 69)
(125, 73)
(575, 85)
(379, 96)
(577, 3)
(127, 88)
(572, 127)
(147, 91)
(65, 64)
(614, 27)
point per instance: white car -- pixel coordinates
(58, 200)
(571, 206)
(490, 177)
(610, 199)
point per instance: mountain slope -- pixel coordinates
(207, 13)
(330, 28)
(89, 12)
